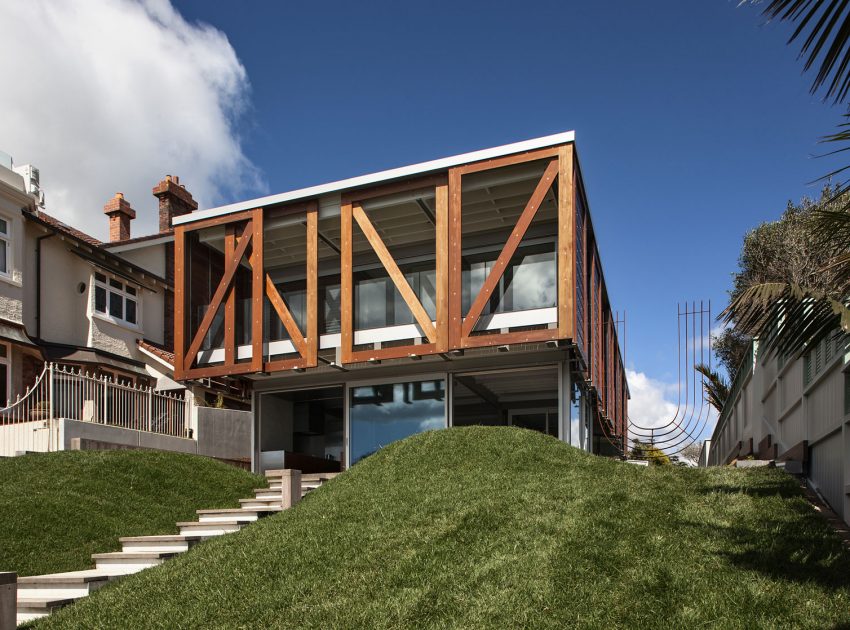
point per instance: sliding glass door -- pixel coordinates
(380, 414)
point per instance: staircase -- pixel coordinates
(40, 595)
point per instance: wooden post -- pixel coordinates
(346, 292)
(312, 285)
(179, 300)
(455, 316)
(566, 243)
(257, 292)
(230, 300)
(442, 264)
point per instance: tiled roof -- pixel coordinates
(157, 350)
(64, 227)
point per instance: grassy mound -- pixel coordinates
(59, 508)
(498, 528)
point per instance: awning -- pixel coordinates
(60, 353)
(15, 333)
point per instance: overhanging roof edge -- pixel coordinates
(380, 176)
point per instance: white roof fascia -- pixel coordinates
(381, 176)
(150, 242)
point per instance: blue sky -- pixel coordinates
(693, 120)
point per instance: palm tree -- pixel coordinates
(716, 387)
(785, 315)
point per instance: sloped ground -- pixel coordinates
(501, 527)
(56, 509)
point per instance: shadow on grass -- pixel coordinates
(802, 551)
(769, 487)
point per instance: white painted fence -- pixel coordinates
(29, 423)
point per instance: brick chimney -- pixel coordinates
(120, 214)
(174, 200)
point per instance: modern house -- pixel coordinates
(465, 290)
(101, 313)
(794, 409)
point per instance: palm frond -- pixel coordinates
(715, 386)
(785, 316)
(825, 25)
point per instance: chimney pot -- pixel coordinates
(120, 214)
(174, 201)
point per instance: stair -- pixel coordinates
(40, 595)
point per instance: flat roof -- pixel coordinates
(381, 176)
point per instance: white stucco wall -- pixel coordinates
(150, 257)
(11, 286)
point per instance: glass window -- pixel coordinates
(130, 311)
(100, 299)
(382, 414)
(330, 312)
(370, 296)
(115, 299)
(5, 247)
(529, 282)
(116, 305)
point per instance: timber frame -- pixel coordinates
(351, 214)
(452, 330)
(236, 244)
(461, 326)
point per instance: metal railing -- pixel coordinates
(29, 423)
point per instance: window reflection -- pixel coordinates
(382, 414)
(529, 282)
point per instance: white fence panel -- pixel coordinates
(29, 424)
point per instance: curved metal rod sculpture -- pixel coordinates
(675, 419)
(679, 433)
(675, 426)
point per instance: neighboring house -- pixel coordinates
(99, 309)
(793, 409)
(467, 290)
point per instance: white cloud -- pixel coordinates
(658, 405)
(111, 95)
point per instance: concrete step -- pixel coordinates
(125, 563)
(62, 585)
(277, 474)
(319, 476)
(270, 502)
(267, 493)
(31, 608)
(141, 544)
(235, 514)
(207, 529)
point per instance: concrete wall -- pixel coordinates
(70, 429)
(224, 433)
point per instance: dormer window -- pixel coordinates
(115, 299)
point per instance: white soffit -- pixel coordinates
(375, 178)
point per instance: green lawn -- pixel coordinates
(504, 528)
(59, 508)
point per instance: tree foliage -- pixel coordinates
(799, 263)
(649, 452)
(716, 387)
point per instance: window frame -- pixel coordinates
(108, 287)
(7, 238)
